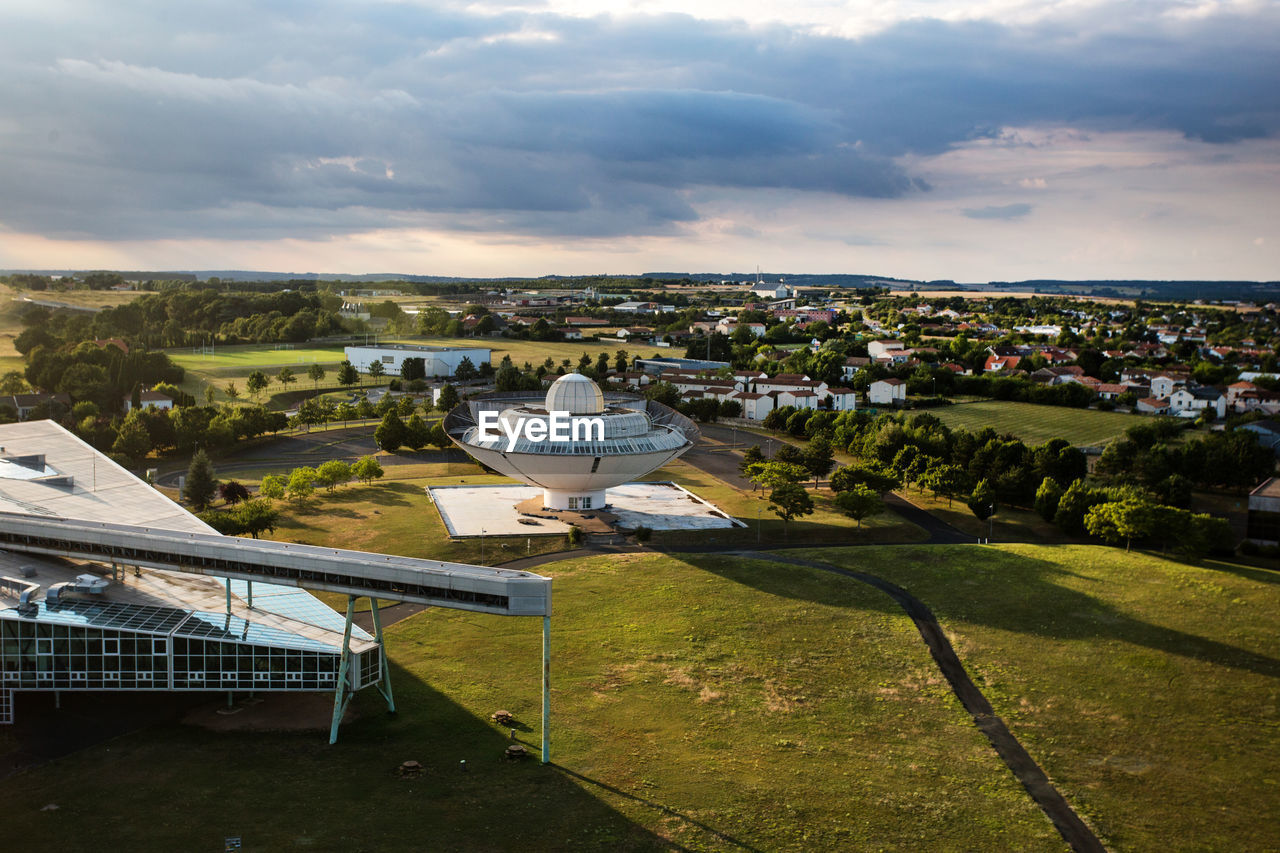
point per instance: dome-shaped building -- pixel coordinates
(574, 441)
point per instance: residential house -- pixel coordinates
(841, 399)
(1153, 406)
(883, 348)
(24, 404)
(852, 365)
(1190, 400)
(798, 397)
(755, 407)
(1268, 433)
(887, 392)
(149, 400)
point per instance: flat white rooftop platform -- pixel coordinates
(491, 510)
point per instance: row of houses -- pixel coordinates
(760, 393)
(25, 404)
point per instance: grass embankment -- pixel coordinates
(1146, 688)
(1037, 424)
(708, 704)
(826, 524)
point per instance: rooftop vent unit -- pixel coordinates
(83, 584)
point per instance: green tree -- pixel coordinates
(790, 501)
(465, 371)
(347, 374)
(257, 516)
(133, 442)
(286, 376)
(874, 477)
(752, 456)
(301, 485)
(1127, 519)
(231, 391)
(948, 481)
(859, 503)
(619, 361)
(437, 437)
(818, 458)
(332, 474)
(315, 373)
(1047, 498)
(256, 383)
(448, 398)
(770, 475)
(1074, 505)
(376, 370)
(200, 486)
(982, 502)
(367, 469)
(391, 433)
(272, 487)
(417, 433)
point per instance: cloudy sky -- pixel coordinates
(993, 139)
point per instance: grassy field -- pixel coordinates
(1147, 689)
(394, 515)
(235, 363)
(703, 704)
(1037, 424)
(826, 524)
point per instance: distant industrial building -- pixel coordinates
(438, 361)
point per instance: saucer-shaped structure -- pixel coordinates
(574, 441)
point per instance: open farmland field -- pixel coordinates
(1146, 688)
(1037, 424)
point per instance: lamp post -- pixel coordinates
(482, 533)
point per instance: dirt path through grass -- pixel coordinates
(1019, 761)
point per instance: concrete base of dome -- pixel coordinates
(559, 499)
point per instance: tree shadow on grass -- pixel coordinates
(281, 790)
(974, 586)
(1253, 573)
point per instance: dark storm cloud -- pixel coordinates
(148, 120)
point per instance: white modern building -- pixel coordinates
(107, 585)
(610, 440)
(438, 361)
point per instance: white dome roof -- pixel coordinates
(575, 394)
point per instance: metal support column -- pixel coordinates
(384, 683)
(341, 695)
(228, 582)
(250, 585)
(546, 689)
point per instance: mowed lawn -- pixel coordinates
(1146, 688)
(708, 703)
(1038, 424)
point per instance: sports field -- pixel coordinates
(1037, 424)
